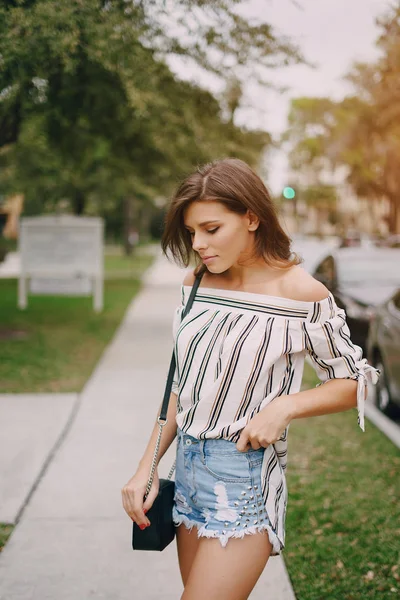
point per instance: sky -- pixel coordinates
(331, 33)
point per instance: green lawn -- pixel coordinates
(343, 522)
(117, 265)
(55, 343)
(5, 532)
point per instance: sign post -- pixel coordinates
(61, 255)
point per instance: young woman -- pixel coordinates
(240, 355)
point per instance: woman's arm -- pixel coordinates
(339, 365)
(334, 396)
(133, 492)
(268, 425)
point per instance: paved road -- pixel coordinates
(73, 539)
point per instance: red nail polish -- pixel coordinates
(142, 527)
(145, 510)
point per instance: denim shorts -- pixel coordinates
(218, 488)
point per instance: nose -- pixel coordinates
(199, 242)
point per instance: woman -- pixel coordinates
(240, 355)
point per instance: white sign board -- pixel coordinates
(61, 255)
(78, 286)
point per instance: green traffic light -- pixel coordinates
(289, 193)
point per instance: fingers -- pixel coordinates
(249, 439)
(255, 445)
(132, 501)
(148, 503)
(243, 442)
(246, 442)
(142, 520)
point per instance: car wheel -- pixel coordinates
(382, 396)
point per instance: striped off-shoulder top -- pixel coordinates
(236, 351)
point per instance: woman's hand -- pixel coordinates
(133, 494)
(267, 426)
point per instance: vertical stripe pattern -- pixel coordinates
(238, 351)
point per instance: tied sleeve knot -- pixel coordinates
(329, 346)
(365, 374)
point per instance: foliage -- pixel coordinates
(321, 196)
(361, 132)
(311, 122)
(90, 112)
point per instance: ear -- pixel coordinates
(252, 221)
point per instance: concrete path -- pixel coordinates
(73, 541)
(11, 266)
(31, 426)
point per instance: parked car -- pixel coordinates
(393, 241)
(311, 251)
(384, 353)
(360, 279)
(354, 239)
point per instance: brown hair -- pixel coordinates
(233, 183)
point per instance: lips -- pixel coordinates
(207, 258)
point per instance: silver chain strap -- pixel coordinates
(155, 456)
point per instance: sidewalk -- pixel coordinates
(73, 541)
(31, 427)
(10, 268)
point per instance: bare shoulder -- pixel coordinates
(300, 285)
(189, 278)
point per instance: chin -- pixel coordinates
(216, 270)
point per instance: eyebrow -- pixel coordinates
(205, 223)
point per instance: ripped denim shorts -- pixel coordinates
(218, 488)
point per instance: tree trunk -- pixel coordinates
(394, 215)
(127, 225)
(79, 202)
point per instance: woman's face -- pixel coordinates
(222, 236)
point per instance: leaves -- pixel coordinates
(89, 109)
(361, 132)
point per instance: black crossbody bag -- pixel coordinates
(161, 530)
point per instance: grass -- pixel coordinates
(5, 532)
(343, 521)
(117, 265)
(54, 345)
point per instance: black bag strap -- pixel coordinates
(172, 367)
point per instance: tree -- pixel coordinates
(362, 131)
(310, 124)
(89, 108)
(375, 140)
